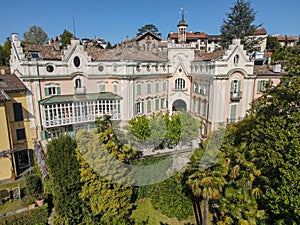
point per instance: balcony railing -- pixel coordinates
(80, 91)
(235, 96)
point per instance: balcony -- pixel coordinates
(79, 90)
(235, 96)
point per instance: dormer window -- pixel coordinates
(34, 55)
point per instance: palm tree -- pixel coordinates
(207, 185)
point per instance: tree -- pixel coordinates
(104, 174)
(65, 175)
(272, 43)
(109, 46)
(5, 53)
(148, 27)
(65, 38)
(35, 35)
(239, 25)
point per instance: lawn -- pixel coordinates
(13, 184)
(144, 210)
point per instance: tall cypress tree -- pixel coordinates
(239, 24)
(64, 172)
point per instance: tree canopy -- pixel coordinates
(35, 35)
(5, 53)
(239, 24)
(65, 38)
(148, 27)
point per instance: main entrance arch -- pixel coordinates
(179, 105)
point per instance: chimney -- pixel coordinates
(2, 71)
(55, 43)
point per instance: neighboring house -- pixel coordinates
(289, 41)
(259, 56)
(146, 41)
(70, 88)
(16, 143)
(213, 42)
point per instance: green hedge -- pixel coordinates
(36, 216)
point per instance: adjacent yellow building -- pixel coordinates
(15, 138)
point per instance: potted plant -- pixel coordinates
(31, 204)
(40, 199)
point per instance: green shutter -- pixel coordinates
(58, 90)
(115, 89)
(164, 86)
(157, 104)
(233, 113)
(148, 88)
(259, 85)
(194, 106)
(46, 91)
(204, 107)
(199, 105)
(239, 86)
(162, 106)
(135, 109)
(142, 107)
(149, 106)
(138, 89)
(156, 87)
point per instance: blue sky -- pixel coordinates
(114, 19)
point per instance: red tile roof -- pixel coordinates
(288, 38)
(45, 51)
(10, 83)
(189, 35)
(261, 31)
(209, 56)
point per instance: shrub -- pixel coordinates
(36, 216)
(34, 186)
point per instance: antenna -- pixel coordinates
(74, 27)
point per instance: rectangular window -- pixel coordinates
(163, 103)
(148, 88)
(164, 86)
(138, 89)
(232, 113)
(157, 104)
(18, 112)
(139, 108)
(52, 91)
(21, 135)
(115, 87)
(102, 88)
(156, 87)
(22, 159)
(149, 106)
(261, 85)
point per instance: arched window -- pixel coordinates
(78, 83)
(236, 59)
(179, 84)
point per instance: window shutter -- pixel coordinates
(164, 86)
(116, 89)
(259, 85)
(239, 86)
(58, 90)
(46, 91)
(204, 107)
(199, 105)
(149, 106)
(142, 107)
(233, 113)
(157, 104)
(138, 89)
(135, 109)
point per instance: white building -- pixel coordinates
(70, 88)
